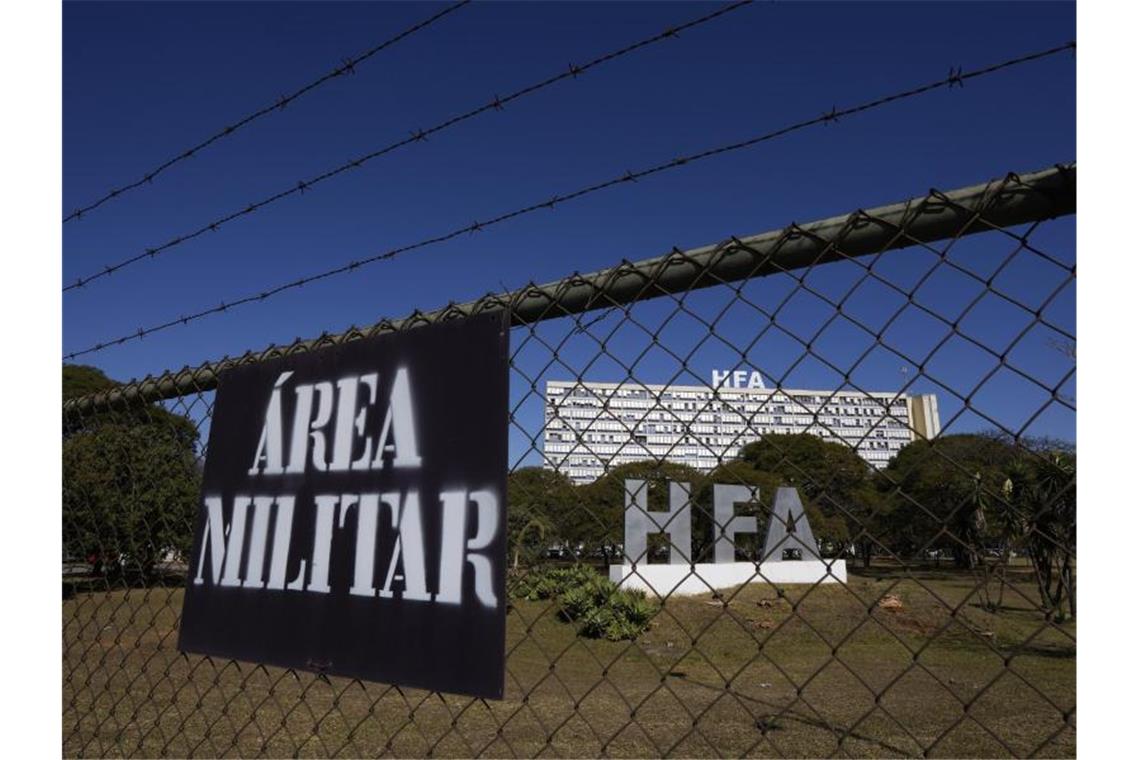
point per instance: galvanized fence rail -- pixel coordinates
(953, 633)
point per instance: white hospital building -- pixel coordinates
(591, 427)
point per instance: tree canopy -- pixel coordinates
(82, 380)
(942, 491)
(130, 482)
(539, 504)
(835, 483)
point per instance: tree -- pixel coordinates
(1043, 490)
(131, 482)
(942, 490)
(834, 483)
(538, 501)
(83, 380)
(971, 492)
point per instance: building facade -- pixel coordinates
(591, 427)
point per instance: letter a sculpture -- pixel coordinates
(789, 535)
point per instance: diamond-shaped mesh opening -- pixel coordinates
(907, 373)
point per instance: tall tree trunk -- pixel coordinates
(1067, 587)
(1004, 571)
(1043, 570)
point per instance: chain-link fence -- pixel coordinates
(908, 370)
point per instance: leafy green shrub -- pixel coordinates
(602, 609)
(551, 582)
(583, 600)
(625, 615)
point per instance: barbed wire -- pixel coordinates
(348, 66)
(956, 78)
(417, 135)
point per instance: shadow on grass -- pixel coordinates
(781, 713)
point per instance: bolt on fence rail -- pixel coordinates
(952, 633)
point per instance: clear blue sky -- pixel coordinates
(145, 80)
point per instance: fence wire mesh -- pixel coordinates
(951, 631)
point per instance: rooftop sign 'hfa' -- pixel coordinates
(353, 512)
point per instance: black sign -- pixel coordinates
(353, 513)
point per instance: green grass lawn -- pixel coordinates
(809, 672)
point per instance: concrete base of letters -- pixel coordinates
(702, 578)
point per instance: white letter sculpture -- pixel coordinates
(790, 554)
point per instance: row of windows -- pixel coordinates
(661, 444)
(747, 411)
(559, 430)
(601, 394)
(855, 406)
(584, 469)
(738, 417)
